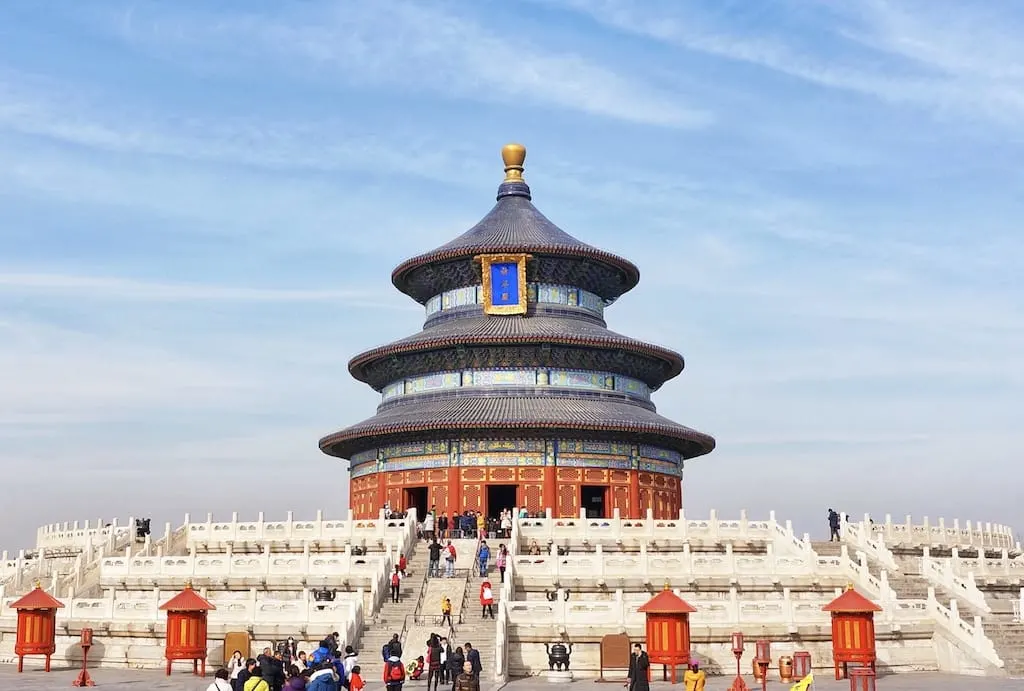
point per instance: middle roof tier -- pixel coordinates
(513, 341)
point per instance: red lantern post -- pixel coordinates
(668, 630)
(186, 628)
(762, 661)
(37, 625)
(853, 630)
(737, 649)
(83, 677)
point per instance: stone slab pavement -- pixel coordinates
(143, 680)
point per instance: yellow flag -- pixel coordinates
(803, 684)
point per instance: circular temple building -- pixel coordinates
(515, 393)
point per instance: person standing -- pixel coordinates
(639, 668)
(433, 662)
(473, 659)
(694, 679)
(486, 600)
(833, 526)
(435, 559)
(396, 584)
(467, 681)
(449, 560)
(446, 611)
(394, 673)
(501, 561)
(484, 556)
(456, 659)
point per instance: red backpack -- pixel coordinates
(395, 579)
(396, 671)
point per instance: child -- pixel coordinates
(416, 668)
(355, 680)
(446, 611)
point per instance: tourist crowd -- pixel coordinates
(331, 668)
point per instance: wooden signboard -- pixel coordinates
(237, 640)
(614, 655)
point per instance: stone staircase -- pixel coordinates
(474, 628)
(827, 549)
(394, 618)
(1008, 638)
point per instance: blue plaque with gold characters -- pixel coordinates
(504, 283)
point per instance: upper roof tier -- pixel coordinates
(515, 225)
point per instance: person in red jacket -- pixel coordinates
(486, 600)
(402, 563)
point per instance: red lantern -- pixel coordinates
(853, 630)
(862, 679)
(186, 629)
(668, 630)
(37, 625)
(737, 643)
(801, 664)
(764, 651)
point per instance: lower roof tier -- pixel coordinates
(386, 364)
(525, 416)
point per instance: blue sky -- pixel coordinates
(201, 203)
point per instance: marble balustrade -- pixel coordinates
(944, 533)
(253, 611)
(731, 610)
(265, 564)
(583, 530)
(656, 566)
(79, 536)
(1003, 567)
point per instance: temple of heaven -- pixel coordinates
(515, 393)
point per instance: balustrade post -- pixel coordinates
(743, 522)
(599, 554)
(734, 606)
(942, 530)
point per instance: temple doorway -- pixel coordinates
(593, 499)
(500, 497)
(416, 498)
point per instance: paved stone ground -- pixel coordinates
(133, 680)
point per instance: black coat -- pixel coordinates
(638, 669)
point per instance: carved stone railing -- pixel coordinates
(988, 567)
(940, 573)
(664, 532)
(860, 537)
(942, 533)
(382, 532)
(507, 593)
(266, 564)
(971, 637)
(346, 613)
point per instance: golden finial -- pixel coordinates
(188, 584)
(514, 155)
(849, 586)
(39, 584)
(667, 586)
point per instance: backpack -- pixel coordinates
(396, 671)
(386, 651)
(395, 580)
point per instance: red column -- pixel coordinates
(550, 494)
(454, 489)
(634, 495)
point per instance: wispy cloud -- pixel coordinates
(420, 49)
(970, 69)
(114, 288)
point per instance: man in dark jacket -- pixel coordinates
(473, 657)
(392, 647)
(639, 664)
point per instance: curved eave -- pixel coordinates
(630, 274)
(357, 364)
(522, 416)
